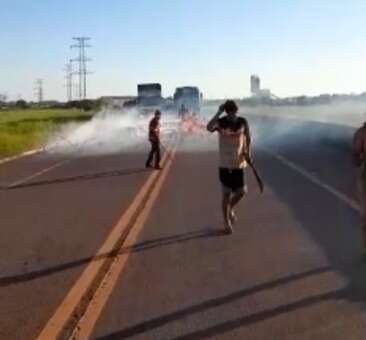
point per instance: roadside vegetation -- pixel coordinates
(23, 129)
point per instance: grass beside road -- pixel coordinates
(22, 130)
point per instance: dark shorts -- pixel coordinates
(232, 179)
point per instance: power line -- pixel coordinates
(82, 59)
(39, 90)
(69, 84)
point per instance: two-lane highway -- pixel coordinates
(291, 270)
(52, 226)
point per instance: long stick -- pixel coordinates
(255, 172)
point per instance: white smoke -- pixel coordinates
(345, 113)
(108, 132)
(111, 131)
(287, 124)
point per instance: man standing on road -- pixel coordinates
(234, 149)
(154, 138)
(359, 160)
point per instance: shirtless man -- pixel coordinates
(234, 149)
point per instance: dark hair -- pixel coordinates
(230, 106)
(157, 112)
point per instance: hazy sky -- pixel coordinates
(296, 46)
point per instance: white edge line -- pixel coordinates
(342, 197)
(39, 173)
(24, 154)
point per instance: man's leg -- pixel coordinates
(361, 187)
(363, 226)
(364, 234)
(150, 156)
(226, 208)
(157, 155)
(238, 193)
(234, 200)
(236, 197)
(224, 175)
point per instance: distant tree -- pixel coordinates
(85, 105)
(90, 104)
(301, 100)
(71, 104)
(21, 104)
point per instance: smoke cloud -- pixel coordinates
(292, 124)
(109, 132)
(112, 132)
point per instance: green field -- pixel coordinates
(21, 130)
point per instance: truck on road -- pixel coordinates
(188, 99)
(149, 97)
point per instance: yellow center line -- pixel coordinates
(82, 290)
(85, 326)
(342, 197)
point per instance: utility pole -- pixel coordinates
(39, 90)
(69, 74)
(82, 59)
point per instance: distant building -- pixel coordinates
(48, 103)
(264, 93)
(255, 88)
(115, 102)
(255, 85)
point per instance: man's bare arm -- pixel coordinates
(248, 137)
(213, 123)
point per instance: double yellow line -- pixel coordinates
(77, 314)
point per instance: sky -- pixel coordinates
(297, 47)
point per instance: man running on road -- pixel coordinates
(359, 160)
(154, 138)
(234, 149)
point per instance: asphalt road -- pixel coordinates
(291, 270)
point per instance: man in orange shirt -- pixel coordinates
(359, 159)
(154, 138)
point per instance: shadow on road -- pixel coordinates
(84, 177)
(138, 247)
(330, 224)
(220, 301)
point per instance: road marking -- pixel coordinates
(37, 174)
(24, 154)
(86, 324)
(82, 290)
(342, 197)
